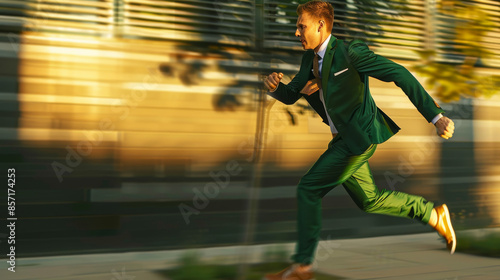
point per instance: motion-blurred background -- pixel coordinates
(140, 125)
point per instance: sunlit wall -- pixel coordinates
(133, 124)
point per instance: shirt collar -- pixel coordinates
(322, 49)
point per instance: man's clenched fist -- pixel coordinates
(310, 87)
(445, 127)
(273, 80)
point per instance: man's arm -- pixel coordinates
(280, 91)
(367, 62)
(290, 93)
(371, 64)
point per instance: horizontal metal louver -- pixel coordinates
(87, 17)
(12, 15)
(402, 30)
(226, 22)
(397, 27)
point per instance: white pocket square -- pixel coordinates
(340, 72)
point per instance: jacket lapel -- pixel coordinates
(327, 62)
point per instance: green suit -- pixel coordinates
(361, 126)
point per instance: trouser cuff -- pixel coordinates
(428, 211)
(302, 259)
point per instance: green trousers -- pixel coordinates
(339, 166)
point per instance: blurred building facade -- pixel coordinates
(132, 123)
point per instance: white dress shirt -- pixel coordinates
(321, 53)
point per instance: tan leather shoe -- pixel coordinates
(292, 272)
(444, 227)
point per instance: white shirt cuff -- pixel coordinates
(436, 118)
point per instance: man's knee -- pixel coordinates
(303, 187)
(369, 205)
(372, 204)
(307, 192)
(306, 183)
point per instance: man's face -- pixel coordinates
(308, 29)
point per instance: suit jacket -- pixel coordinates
(345, 72)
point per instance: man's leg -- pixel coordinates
(369, 198)
(338, 166)
(366, 195)
(334, 166)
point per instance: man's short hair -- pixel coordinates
(318, 9)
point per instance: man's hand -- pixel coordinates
(445, 127)
(311, 87)
(273, 80)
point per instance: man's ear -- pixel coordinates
(321, 24)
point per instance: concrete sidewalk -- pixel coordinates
(419, 256)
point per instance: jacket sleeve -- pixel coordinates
(368, 63)
(290, 93)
